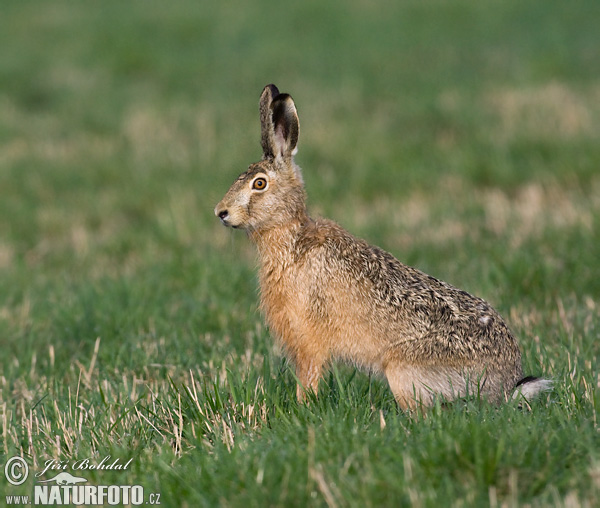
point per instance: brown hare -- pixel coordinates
(327, 295)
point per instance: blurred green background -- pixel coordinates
(462, 136)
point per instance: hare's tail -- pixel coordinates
(530, 387)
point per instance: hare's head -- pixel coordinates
(271, 192)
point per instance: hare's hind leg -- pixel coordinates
(403, 381)
(415, 386)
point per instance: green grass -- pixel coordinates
(461, 136)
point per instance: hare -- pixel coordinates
(327, 295)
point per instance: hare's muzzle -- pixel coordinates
(223, 214)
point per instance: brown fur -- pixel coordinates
(327, 295)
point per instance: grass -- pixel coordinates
(461, 136)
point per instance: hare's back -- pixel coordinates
(401, 305)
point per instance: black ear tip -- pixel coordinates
(281, 104)
(273, 89)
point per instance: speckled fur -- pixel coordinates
(327, 295)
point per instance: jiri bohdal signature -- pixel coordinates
(84, 464)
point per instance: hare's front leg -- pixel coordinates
(308, 372)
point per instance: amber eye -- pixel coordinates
(259, 184)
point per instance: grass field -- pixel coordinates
(463, 137)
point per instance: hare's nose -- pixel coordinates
(222, 214)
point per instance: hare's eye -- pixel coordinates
(259, 184)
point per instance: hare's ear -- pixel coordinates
(279, 123)
(286, 126)
(267, 130)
